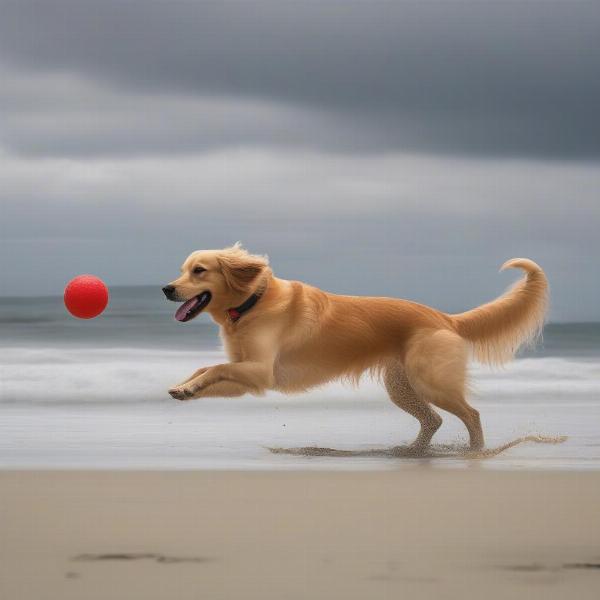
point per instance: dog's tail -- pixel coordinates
(497, 329)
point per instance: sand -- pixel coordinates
(414, 533)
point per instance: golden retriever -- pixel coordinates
(289, 336)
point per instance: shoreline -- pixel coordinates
(237, 435)
(318, 534)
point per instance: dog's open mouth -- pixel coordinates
(193, 307)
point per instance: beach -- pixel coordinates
(109, 489)
(423, 533)
(299, 300)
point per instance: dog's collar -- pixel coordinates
(236, 312)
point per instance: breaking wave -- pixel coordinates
(88, 374)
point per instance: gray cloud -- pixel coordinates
(479, 77)
(400, 149)
(59, 114)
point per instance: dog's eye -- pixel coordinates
(198, 270)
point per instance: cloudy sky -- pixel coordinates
(373, 148)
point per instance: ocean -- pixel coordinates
(93, 394)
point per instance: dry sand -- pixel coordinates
(415, 533)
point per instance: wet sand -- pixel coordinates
(417, 533)
(432, 451)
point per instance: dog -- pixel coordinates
(289, 336)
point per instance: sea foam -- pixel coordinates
(84, 374)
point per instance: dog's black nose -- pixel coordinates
(168, 290)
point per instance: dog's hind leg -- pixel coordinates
(436, 367)
(403, 395)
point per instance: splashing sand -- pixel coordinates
(408, 451)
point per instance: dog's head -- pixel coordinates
(221, 278)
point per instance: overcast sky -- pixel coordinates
(372, 148)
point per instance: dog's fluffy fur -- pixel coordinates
(297, 337)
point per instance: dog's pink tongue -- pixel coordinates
(186, 307)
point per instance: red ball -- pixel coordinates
(86, 296)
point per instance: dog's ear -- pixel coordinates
(239, 268)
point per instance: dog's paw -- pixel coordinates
(181, 392)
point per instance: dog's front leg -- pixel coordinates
(195, 374)
(227, 380)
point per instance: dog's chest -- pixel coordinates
(233, 347)
(254, 347)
